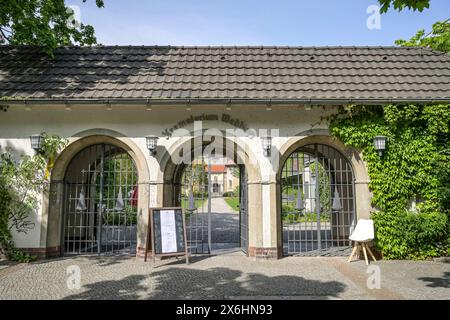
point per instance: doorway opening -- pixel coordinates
(317, 202)
(100, 202)
(212, 191)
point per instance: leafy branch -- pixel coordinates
(46, 23)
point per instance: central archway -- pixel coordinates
(187, 184)
(213, 193)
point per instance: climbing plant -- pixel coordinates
(22, 182)
(413, 170)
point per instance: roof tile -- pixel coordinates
(225, 72)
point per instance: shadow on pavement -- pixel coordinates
(124, 289)
(442, 282)
(215, 283)
(103, 260)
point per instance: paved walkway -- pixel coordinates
(232, 276)
(224, 224)
(218, 205)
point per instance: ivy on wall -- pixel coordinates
(413, 169)
(21, 185)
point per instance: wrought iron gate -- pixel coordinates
(100, 212)
(194, 193)
(243, 209)
(193, 198)
(317, 197)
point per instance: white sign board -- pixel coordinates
(168, 231)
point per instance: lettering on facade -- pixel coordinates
(226, 118)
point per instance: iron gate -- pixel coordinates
(318, 211)
(193, 198)
(243, 209)
(194, 193)
(100, 212)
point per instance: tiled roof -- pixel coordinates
(218, 168)
(276, 73)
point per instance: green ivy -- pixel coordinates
(415, 166)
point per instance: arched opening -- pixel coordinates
(100, 202)
(317, 201)
(211, 185)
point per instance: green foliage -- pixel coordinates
(411, 235)
(21, 184)
(126, 218)
(415, 166)
(291, 187)
(402, 4)
(306, 217)
(438, 39)
(233, 202)
(47, 23)
(228, 194)
(198, 202)
(237, 190)
(52, 145)
(324, 188)
(15, 254)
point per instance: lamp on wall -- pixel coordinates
(37, 141)
(266, 144)
(379, 142)
(152, 142)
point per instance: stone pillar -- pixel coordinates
(362, 199)
(263, 227)
(51, 224)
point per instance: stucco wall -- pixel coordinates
(135, 122)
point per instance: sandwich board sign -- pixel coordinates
(167, 233)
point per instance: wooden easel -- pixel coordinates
(151, 237)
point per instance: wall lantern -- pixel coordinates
(37, 141)
(152, 141)
(379, 143)
(267, 145)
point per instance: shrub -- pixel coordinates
(411, 235)
(126, 218)
(415, 165)
(200, 194)
(228, 194)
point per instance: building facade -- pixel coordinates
(301, 191)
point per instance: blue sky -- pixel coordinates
(251, 22)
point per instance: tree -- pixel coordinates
(437, 39)
(401, 4)
(47, 23)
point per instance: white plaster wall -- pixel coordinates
(18, 147)
(135, 122)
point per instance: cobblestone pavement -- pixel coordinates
(231, 276)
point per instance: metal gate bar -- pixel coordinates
(243, 209)
(317, 197)
(100, 212)
(193, 188)
(194, 193)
